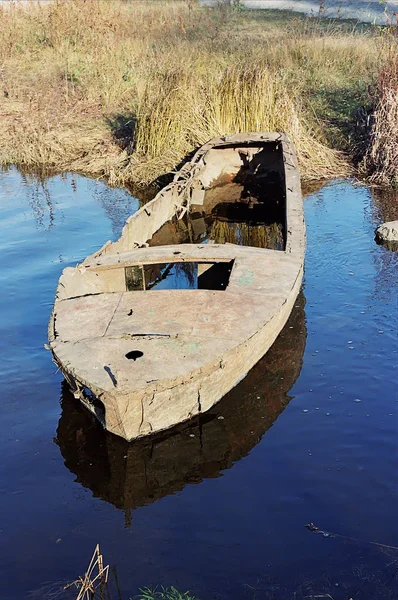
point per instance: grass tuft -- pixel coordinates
(164, 594)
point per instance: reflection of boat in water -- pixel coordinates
(133, 474)
(149, 333)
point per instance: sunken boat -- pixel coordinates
(158, 326)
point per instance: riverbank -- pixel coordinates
(125, 90)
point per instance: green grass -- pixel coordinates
(162, 593)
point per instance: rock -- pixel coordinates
(387, 233)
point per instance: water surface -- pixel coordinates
(220, 505)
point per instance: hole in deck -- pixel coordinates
(179, 276)
(134, 354)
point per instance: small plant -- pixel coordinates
(162, 593)
(238, 5)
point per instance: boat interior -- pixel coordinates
(236, 196)
(239, 197)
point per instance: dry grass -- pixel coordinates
(382, 156)
(125, 89)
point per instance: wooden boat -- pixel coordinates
(143, 357)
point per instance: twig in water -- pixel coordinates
(91, 579)
(316, 529)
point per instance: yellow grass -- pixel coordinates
(125, 89)
(381, 158)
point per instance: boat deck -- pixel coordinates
(177, 331)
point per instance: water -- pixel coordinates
(219, 506)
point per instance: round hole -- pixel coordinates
(134, 354)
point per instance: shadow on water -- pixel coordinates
(129, 475)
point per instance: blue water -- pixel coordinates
(219, 506)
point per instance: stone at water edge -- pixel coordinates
(387, 232)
